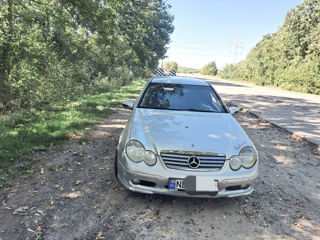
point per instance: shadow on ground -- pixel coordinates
(74, 195)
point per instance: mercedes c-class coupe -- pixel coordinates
(182, 140)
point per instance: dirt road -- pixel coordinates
(296, 112)
(74, 195)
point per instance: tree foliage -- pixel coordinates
(170, 66)
(289, 58)
(209, 69)
(187, 70)
(54, 50)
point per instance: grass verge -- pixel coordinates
(25, 132)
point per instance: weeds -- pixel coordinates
(25, 132)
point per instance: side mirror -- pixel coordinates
(233, 110)
(128, 104)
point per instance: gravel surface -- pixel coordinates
(74, 195)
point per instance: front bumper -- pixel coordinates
(139, 177)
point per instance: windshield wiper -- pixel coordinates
(193, 110)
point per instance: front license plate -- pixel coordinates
(206, 184)
(176, 184)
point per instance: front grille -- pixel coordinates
(180, 161)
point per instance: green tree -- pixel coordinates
(209, 69)
(289, 58)
(55, 50)
(170, 66)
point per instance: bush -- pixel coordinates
(170, 66)
(229, 71)
(209, 69)
(288, 58)
(62, 50)
(187, 70)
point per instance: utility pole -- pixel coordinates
(237, 50)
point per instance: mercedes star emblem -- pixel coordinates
(193, 162)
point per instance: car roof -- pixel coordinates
(179, 80)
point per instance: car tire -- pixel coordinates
(115, 166)
(115, 170)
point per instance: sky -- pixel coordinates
(223, 31)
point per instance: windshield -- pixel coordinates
(181, 97)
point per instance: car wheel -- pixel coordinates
(115, 167)
(115, 170)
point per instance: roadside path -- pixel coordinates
(296, 112)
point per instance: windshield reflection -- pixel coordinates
(181, 97)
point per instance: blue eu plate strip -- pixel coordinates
(172, 184)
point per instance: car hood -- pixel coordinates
(170, 130)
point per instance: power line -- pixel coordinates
(236, 50)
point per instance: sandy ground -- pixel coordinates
(74, 195)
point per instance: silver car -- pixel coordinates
(182, 140)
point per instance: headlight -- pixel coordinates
(235, 163)
(150, 158)
(248, 157)
(135, 151)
